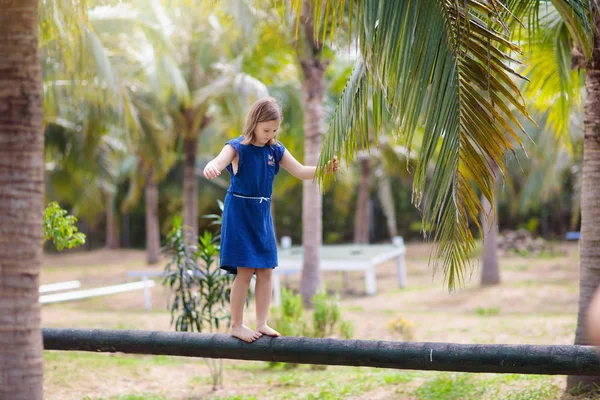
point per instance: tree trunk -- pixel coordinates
(190, 191)
(312, 200)
(589, 244)
(21, 201)
(490, 274)
(112, 224)
(126, 230)
(384, 189)
(152, 223)
(362, 218)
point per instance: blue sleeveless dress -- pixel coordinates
(247, 234)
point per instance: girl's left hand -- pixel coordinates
(333, 165)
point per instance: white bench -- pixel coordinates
(350, 257)
(57, 287)
(100, 291)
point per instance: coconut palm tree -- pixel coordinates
(21, 207)
(90, 78)
(572, 31)
(199, 68)
(150, 129)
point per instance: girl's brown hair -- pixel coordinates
(267, 109)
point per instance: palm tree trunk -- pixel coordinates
(126, 230)
(490, 274)
(362, 215)
(112, 224)
(384, 190)
(152, 224)
(589, 244)
(190, 190)
(312, 202)
(21, 201)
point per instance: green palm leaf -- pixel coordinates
(443, 66)
(555, 88)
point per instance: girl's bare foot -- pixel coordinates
(245, 333)
(267, 330)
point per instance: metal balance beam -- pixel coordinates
(519, 359)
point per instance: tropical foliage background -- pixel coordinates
(102, 137)
(448, 116)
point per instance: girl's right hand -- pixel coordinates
(211, 171)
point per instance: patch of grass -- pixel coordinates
(200, 380)
(103, 360)
(252, 366)
(542, 392)
(353, 308)
(520, 267)
(411, 288)
(396, 378)
(487, 312)
(125, 326)
(331, 383)
(388, 312)
(237, 397)
(142, 396)
(450, 387)
(289, 379)
(169, 360)
(354, 382)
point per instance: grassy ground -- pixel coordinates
(536, 304)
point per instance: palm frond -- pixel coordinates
(577, 15)
(441, 65)
(555, 89)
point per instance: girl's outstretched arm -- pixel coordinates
(214, 167)
(303, 172)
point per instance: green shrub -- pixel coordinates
(289, 319)
(201, 290)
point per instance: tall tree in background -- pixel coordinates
(490, 273)
(202, 67)
(21, 201)
(362, 219)
(88, 108)
(589, 246)
(566, 35)
(313, 67)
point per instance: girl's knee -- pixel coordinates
(264, 273)
(245, 274)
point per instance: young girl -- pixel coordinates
(248, 244)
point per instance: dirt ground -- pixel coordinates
(535, 304)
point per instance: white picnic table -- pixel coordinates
(345, 257)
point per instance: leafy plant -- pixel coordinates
(201, 290)
(217, 219)
(326, 319)
(326, 315)
(60, 228)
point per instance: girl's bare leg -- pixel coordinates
(239, 292)
(263, 292)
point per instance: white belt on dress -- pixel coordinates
(252, 198)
